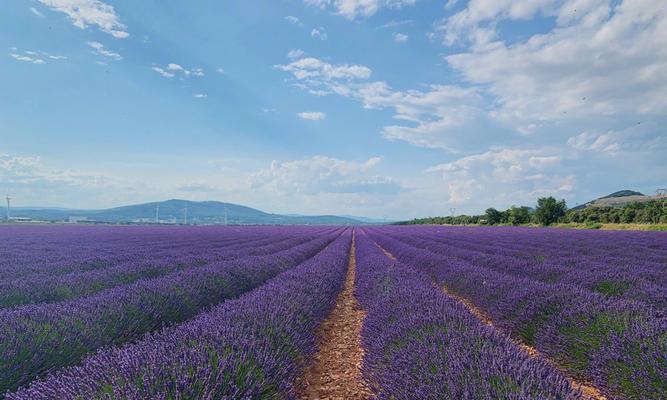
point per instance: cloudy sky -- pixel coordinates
(382, 108)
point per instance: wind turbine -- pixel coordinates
(186, 216)
(225, 214)
(157, 214)
(9, 199)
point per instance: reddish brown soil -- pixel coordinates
(336, 370)
(589, 391)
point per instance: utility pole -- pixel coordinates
(157, 214)
(9, 199)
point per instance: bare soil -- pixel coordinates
(335, 372)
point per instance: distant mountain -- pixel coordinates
(369, 220)
(174, 211)
(617, 199)
(622, 193)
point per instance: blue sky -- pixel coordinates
(382, 108)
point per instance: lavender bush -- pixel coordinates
(40, 338)
(617, 344)
(421, 344)
(253, 347)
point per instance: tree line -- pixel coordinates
(549, 211)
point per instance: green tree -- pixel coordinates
(493, 216)
(549, 210)
(518, 215)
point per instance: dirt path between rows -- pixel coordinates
(336, 370)
(589, 391)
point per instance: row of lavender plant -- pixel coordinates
(618, 345)
(599, 248)
(593, 245)
(421, 344)
(41, 338)
(250, 348)
(36, 289)
(57, 250)
(613, 277)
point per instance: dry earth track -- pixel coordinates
(335, 372)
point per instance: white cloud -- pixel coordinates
(293, 20)
(322, 4)
(36, 12)
(400, 38)
(319, 33)
(27, 58)
(601, 66)
(605, 60)
(352, 9)
(163, 72)
(34, 57)
(502, 177)
(320, 74)
(90, 12)
(31, 182)
(395, 24)
(221, 71)
(53, 57)
(312, 115)
(200, 95)
(637, 138)
(100, 50)
(293, 54)
(173, 69)
(436, 118)
(323, 175)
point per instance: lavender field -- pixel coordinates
(427, 312)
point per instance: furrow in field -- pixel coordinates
(616, 345)
(423, 344)
(587, 389)
(335, 372)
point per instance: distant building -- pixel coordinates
(76, 219)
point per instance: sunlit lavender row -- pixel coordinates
(43, 337)
(615, 342)
(420, 344)
(252, 347)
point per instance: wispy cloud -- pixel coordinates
(163, 72)
(200, 95)
(100, 50)
(90, 12)
(293, 20)
(319, 33)
(352, 9)
(292, 54)
(34, 57)
(400, 38)
(395, 24)
(173, 69)
(36, 12)
(312, 115)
